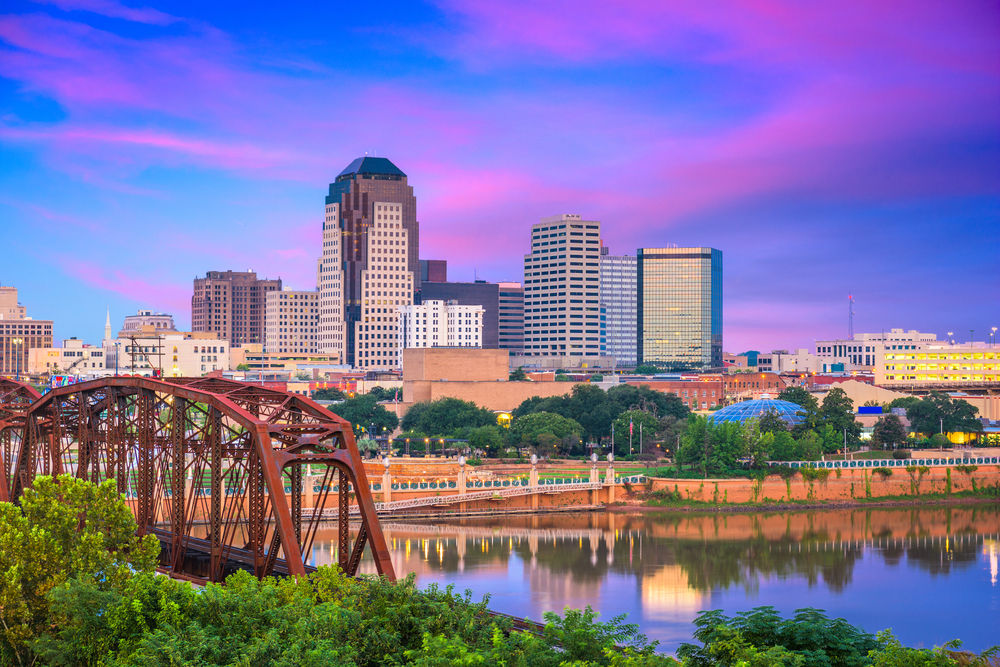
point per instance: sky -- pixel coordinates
(827, 148)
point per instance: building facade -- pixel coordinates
(618, 297)
(510, 321)
(433, 271)
(167, 354)
(291, 322)
(441, 324)
(73, 358)
(19, 334)
(479, 293)
(159, 321)
(562, 288)
(230, 305)
(864, 351)
(679, 299)
(369, 267)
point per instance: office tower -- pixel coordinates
(19, 333)
(562, 283)
(436, 323)
(511, 318)
(433, 271)
(618, 289)
(369, 266)
(230, 304)
(679, 297)
(479, 293)
(291, 320)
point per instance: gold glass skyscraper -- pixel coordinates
(679, 299)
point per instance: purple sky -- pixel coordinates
(826, 148)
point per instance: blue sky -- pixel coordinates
(826, 149)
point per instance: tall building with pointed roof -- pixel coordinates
(369, 266)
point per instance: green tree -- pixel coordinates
(546, 430)
(646, 369)
(771, 422)
(837, 411)
(364, 411)
(650, 425)
(386, 393)
(445, 416)
(809, 404)
(65, 528)
(936, 409)
(328, 394)
(239, 367)
(562, 377)
(889, 432)
(518, 375)
(905, 402)
(486, 438)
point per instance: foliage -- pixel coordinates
(597, 377)
(443, 417)
(328, 394)
(837, 411)
(367, 445)
(939, 441)
(884, 473)
(810, 406)
(546, 432)
(809, 640)
(386, 393)
(901, 454)
(562, 377)
(905, 402)
(937, 409)
(889, 432)
(646, 369)
(518, 375)
(771, 422)
(65, 528)
(486, 438)
(639, 421)
(892, 653)
(364, 411)
(239, 367)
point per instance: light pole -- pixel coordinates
(950, 334)
(970, 336)
(18, 344)
(993, 337)
(117, 350)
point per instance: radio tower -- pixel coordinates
(850, 317)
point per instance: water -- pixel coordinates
(930, 574)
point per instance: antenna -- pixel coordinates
(850, 317)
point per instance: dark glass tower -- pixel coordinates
(354, 196)
(679, 298)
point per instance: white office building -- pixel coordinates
(441, 324)
(291, 321)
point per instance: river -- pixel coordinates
(930, 574)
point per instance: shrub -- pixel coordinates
(884, 473)
(900, 454)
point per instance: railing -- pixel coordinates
(889, 463)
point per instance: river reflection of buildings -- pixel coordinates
(677, 561)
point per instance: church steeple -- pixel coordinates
(107, 326)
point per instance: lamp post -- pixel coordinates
(993, 337)
(18, 344)
(970, 336)
(950, 334)
(117, 350)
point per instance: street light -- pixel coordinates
(17, 360)
(993, 337)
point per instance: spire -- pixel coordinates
(107, 326)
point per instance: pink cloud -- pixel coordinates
(114, 10)
(168, 296)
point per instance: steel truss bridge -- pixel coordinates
(204, 464)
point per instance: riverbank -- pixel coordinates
(654, 505)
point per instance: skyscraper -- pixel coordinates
(679, 297)
(230, 304)
(562, 281)
(618, 287)
(511, 319)
(369, 267)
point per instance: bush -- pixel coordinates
(900, 454)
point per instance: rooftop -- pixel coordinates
(371, 165)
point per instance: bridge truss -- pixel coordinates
(213, 468)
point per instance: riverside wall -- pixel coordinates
(831, 485)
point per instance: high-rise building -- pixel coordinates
(369, 267)
(562, 288)
(479, 293)
(433, 271)
(511, 318)
(19, 333)
(618, 289)
(291, 320)
(230, 304)
(436, 323)
(679, 298)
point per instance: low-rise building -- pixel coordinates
(73, 358)
(152, 353)
(253, 357)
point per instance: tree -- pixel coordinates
(809, 404)
(597, 377)
(445, 416)
(486, 438)
(562, 377)
(634, 419)
(937, 412)
(239, 367)
(545, 430)
(646, 369)
(328, 394)
(518, 375)
(771, 422)
(364, 411)
(889, 432)
(386, 393)
(837, 411)
(65, 528)
(905, 402)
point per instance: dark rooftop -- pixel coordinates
(371, 165)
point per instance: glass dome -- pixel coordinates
(740, 412)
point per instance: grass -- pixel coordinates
(672, 499)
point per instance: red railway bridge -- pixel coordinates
(213, 468)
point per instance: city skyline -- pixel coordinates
(823, 155)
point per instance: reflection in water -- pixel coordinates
(663, 568)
